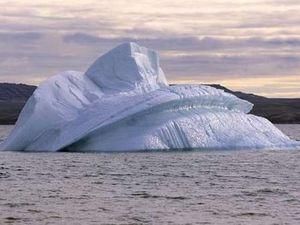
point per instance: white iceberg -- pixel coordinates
(124, 103)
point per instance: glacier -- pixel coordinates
(124, 103)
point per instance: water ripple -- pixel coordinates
(150, 188)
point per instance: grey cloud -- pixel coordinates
(19, 37)
(81, 38)
(231, 66)
(185, 43)
(199, 59)
(270, 19)
(55, 24)
(188, 43)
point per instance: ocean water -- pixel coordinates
(210, 187)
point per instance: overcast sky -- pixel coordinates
(248, 45)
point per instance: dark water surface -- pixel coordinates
(150, 188)
(232, 187)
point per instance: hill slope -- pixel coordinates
(278, 110)
(12, 99)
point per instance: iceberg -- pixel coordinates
(124, 103)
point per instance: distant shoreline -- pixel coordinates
(13, 97)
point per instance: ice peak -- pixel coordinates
(128, 48)
(127, 67)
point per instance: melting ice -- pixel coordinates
(124, 103)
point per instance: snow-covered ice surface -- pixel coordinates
(123, 103)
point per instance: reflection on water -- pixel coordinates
(150, 188)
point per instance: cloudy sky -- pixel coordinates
(248, 45)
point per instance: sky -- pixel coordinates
(247, 45)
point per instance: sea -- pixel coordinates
(187, 187)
